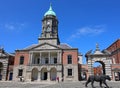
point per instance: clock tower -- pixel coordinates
(49, 32)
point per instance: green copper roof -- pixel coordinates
(50, 12)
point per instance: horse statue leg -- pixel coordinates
(105, 84)
(101, 84)
(92, 82)
(88, 81)
(86, 84)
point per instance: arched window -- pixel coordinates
(69, 57)
(21, 60)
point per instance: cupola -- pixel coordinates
(50, 11)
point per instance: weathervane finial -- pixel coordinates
(50, 6)
(97, 47)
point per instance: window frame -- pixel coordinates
(69, 73)
(20, 72)
(21, 62)
(38, 60)
(46, 61)
(69, 59)
(55, 60)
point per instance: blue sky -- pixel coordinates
(82, 23)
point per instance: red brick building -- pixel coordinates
(6, 65)
(114, 48)
(97, 70)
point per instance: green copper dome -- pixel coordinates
(50, 12)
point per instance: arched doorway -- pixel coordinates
(53, 74)
(99, 68)
(34, 74)
(1, 70)
(44, 74)
(103, 57)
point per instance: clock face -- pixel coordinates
(48, 23)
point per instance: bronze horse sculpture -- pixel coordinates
(100, 78)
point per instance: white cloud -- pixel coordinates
(9, 26)
(89, 31)
(13, 26)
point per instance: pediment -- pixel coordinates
(45, 46)
(3, 55)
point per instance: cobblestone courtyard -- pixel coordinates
(54, 85)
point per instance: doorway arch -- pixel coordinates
(44, 74)
(53, 74)
(99, 68)
(34, 74)
(103, 57)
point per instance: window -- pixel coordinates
(20, 72)
(55, 60)
(46, 60)
(38, 61)
(69, 72)
(21, 60)
(69, 59)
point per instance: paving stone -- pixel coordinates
(80, 84)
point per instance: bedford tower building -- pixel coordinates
(49, 59)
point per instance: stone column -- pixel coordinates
(4, 71)
(39, 76)
(40, 58)
(58, 58)
(90, 69)
(60, 54)
(31, 57)
(48, 74)
(108, 68)
(49, 57)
